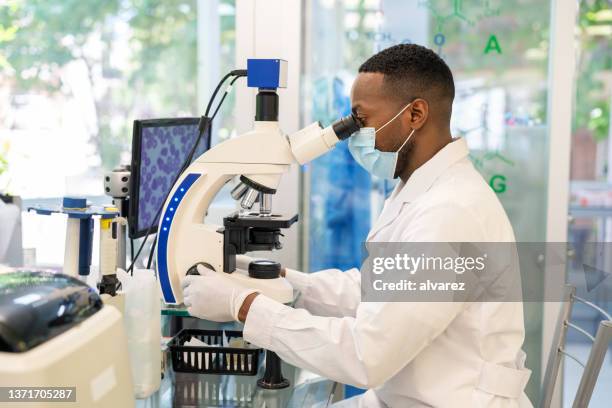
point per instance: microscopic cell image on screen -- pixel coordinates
(163, 151)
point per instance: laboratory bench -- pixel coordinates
(209, 390)
(179, 389)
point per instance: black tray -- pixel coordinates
(212, 359)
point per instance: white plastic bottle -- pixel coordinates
(143, 326)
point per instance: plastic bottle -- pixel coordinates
(143, 327)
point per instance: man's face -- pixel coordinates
(371, 105)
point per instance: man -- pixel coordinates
(407, 354)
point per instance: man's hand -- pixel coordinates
(212, 297)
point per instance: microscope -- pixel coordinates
(258, 159)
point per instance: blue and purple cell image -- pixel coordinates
(163, 151)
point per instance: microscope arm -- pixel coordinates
(259, 157)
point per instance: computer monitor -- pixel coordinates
(159, 149)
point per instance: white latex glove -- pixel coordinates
(299, 280)
(212, 297)
(243, 261)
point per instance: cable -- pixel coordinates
(130, 270)
(227, 91)
(205, 123)
(203, 126)
(131, 249)
(151, 252)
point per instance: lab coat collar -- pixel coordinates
(419, 182)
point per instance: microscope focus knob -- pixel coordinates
(264, 269)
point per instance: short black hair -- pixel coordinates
(413, 71)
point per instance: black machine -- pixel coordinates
(38, 306)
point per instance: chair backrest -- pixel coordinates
(596, 356)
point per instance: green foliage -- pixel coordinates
(165, 64)
(39, 37)
(3, 164)
(592, 105)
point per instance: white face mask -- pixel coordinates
(362, 147)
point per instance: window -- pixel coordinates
(498, 52)
(74, 75)
(590, 226)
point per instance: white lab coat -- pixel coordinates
(441, 354)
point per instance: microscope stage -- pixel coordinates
(258, 221)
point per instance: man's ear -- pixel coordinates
(418, 112)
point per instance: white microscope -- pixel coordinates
(259, 158)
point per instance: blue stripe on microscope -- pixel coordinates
(164, 233)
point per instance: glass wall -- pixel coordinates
(590, 183)
(498, 52)
(73, 77)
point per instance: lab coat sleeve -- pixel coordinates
(382, 338)
(329, 292)
(364, 351)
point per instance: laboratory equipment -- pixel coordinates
(257, 159)
(143, 329)
(159, 147)
(79, 239)
(117, 186)
(186, 390)
(109, 252)
(217, 352)
(56, 332)
(79, 231)
(11, 250)
(273, 376)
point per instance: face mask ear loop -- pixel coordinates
(393, 118)
(406, 141)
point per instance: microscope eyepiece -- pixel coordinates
(346, 126)
(312, 141)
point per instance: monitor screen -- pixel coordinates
(159, 148)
